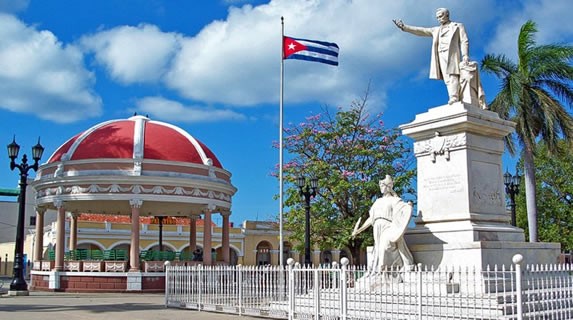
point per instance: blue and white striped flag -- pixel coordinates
(311, 50)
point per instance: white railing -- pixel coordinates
(239, 290)
(346, 292)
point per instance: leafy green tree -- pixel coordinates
(555, 195)
(533, 94)
(348, 153)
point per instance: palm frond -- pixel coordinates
(525, 41)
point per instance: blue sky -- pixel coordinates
(212, 67)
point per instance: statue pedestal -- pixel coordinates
(462, 217)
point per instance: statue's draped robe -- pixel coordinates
(387, 253)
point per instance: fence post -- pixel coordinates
(518, 260)
(200, 286)
(343, 289)
(419, 291)
(240, 288)
(291, 304)
(189, 285)
(167, 282)
(316, 287)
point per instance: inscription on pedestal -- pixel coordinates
(446, 183)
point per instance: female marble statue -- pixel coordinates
(389, 217)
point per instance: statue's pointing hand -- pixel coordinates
(399, 23)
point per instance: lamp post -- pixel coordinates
(160, 221)
(511, 183)
(307, 192)
(18, 283)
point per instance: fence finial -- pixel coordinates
(517, 259)
(290, 261)
(344, 261)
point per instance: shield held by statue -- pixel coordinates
(400, 220)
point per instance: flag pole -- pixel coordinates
(281, 98)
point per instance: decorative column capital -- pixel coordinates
(40, 210)
(194, 216)
(225, 214)
(210, 207)
(58, 203)
(135, 203)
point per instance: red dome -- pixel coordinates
(136, 137)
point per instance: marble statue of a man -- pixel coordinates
(389, 217)
(450, 43)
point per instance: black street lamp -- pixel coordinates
(512, 189)
(307, 192)
(18, 283)
(160, 222)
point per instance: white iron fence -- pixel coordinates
(343, 292)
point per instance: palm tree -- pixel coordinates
(533, 94)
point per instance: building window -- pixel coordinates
(264, 253)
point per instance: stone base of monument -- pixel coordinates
(462, 215)
(482, 254)
(459, 243)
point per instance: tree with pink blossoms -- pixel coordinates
(348, 152)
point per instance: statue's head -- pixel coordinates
(387, 184)
(443, 15)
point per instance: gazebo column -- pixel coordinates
(39, 244)
(134, 248)
(207, 237)
(60, 235)
(74, 231)
(225, 237)
(192, 232)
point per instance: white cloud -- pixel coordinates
(169, 110)
(40, 75)
(133, 54)
(552, 18)
(236, 61)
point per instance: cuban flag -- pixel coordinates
(310, 50)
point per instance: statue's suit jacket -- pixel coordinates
(458, 46)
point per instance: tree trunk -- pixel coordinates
(530, 197)
(356, 256)
(355, 252)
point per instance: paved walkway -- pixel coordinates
(59, 306)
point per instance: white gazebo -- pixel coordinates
(137, 167)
